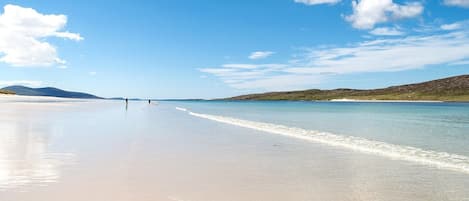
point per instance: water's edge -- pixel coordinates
(441, 160)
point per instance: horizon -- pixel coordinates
(145, 98)
(209, 49)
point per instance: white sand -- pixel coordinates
(148, 153)
(5, 97)
(40, 100)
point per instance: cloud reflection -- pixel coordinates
(25, 158)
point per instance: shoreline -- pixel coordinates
(352, 100)
(386, 101)
(438, 159)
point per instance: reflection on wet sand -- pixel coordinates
(25, 158)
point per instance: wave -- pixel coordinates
(442, 160)
(181, 109)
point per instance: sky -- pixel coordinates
(213, 48)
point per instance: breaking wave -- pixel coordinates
(442, 160)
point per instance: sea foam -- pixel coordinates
(181, 109)
(442, 160)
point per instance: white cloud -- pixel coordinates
(461, 3)
(252, 66)
(22, 37)
(29, 83)
(455, 26)
(278, 82)
(257, 76)
(386, 31)
(379, 55)
(368, 13)
(92, 73)
(388, 55)
(261, 54)
(68, 35)
(316, 2)
(240, 65)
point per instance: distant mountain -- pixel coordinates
(48, 91)
(447, 89)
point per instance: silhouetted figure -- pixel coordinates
(126, 103)
(149, 101)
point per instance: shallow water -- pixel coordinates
(101, 151)
(435, 126)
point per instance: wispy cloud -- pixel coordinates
(466, 62)
(317, 2)
(460, 3)
(92, 73)
(261, 54)
(253, 66)
(388, 55)
(377, 55)
(278, 82)
(29, 83)
(455, 26)
(22, 37)
(386, 31)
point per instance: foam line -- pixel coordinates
(441, 160)
(181, 109)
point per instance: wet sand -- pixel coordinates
(98, 150)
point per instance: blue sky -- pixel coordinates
(212, 48)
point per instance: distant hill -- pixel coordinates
(6, 92)
(447, 89)
(48, 91)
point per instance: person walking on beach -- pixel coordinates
(149, 101)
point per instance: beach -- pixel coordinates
(65, 149)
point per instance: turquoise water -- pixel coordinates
(440, 127)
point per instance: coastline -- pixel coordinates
(385, 101)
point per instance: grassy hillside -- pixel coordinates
(2, 91)
(447, 89)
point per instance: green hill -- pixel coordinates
(2, 91)
(447, 89)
